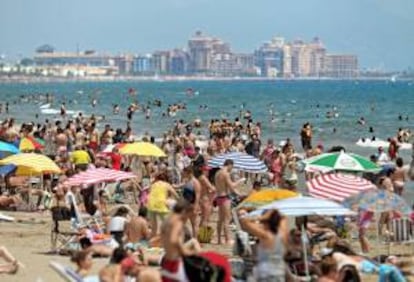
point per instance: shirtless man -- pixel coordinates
(172, 237)
(225, 186)
(136, 230)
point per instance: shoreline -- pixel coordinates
(29, 79)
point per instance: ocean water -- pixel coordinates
(294, 103)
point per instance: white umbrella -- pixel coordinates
(304, 206)
(242, 161)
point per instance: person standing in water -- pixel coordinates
(63, 109)
(306, 136)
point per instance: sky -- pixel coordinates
(380, 32)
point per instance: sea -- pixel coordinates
(291, 103)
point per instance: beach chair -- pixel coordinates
(59, 239)
(401, 234)
(69, 275)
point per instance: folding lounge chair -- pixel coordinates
(60, 240)
(69, 275)
(402, 230)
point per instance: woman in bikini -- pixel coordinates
(398, 176)
(207, 194)
(191, 190)
(276, 167)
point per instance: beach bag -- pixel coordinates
(205, 234)
(200, 269)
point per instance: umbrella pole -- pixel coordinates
(305, 251)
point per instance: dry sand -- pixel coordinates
(29, 239)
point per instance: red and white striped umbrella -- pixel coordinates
(337, 186)
(98, 175)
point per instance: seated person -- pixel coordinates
(83, 260)
(117, 224)
(7, 201)
(344, 255)
(95, 249)
(388, 271)
(137, 231)
(316, 230)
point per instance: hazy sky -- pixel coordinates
(381, 32)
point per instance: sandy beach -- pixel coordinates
(29, 238)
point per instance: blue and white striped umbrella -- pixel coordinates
(241, 161)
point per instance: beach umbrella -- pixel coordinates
(98, 175)
(8, 148)
(266, 196)
(341, 161)
(337, 186)
(7, 169)
(304, 206)
(144, 149)
(31, 164)
(378, 201)
(242, 161)
(29, 144)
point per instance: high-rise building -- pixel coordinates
(142, 65)
(269, 57)
(200, 48)
(245, 64)
(340, 66)
(300, 54)
(179, 60)
(124, 63)
(317, 54)
(287, 61)
(161, 61)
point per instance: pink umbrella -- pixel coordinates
(337, 186)
(98, 175)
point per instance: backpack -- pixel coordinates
(200, 269)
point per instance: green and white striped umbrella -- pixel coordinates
(340, 161)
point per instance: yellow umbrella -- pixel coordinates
(266, 196)
(31, 164)
(144, 149)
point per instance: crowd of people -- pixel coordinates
(175, 199)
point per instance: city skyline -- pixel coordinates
(378, 32)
